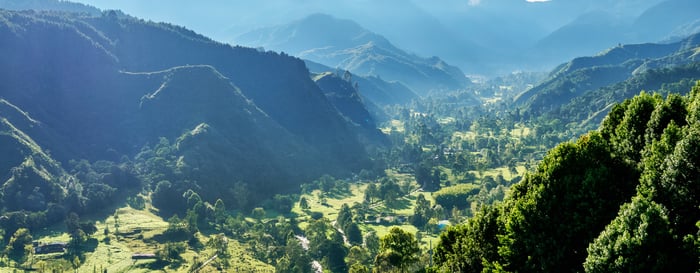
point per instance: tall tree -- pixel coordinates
(463, 248)
(555, 212)
(397, 250)
(19, 246)
(638, 240)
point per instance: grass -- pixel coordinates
(333, 203)
(505, 171)
(136, 231)
(394, 124)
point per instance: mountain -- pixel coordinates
(163, 104)
(341, 92)
(568, 42)
(374, 89)
(47, 5)
(605, 26)
(594, 77)
(667, 18)
(346, 45)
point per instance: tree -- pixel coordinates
(295, 259)
(353, 233)
(421, 212)
(19, 246)
(258, 213)
(303, 203)
(370, 193)
(463, 248)
(220, 213)
(554, 213)
(358, 268)
(334, 254)
(638, 240)
(357, 255)
(283, 203)
(397, 250)
(371, 243)
(219, 243)
(344, 216)
(170, 252)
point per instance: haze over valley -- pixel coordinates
(350, 136)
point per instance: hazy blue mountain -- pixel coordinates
(585, 35)
(668, 18)
(346, 45)
(485, 37)
(375, 89)
(584, 82)
(104, 87)
(48, 5)
(595, 30)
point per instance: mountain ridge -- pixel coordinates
(358, 50)
(259, 109)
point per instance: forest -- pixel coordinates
(171, 152)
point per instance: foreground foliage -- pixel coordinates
(621, 199)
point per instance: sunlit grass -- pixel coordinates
(136, 231)
(394, 124)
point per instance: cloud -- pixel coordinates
(474, 2)
(537, 1)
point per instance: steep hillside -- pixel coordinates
(375, 89)
(345, 44)
(586, 74)
(344, 96)
(116, 88)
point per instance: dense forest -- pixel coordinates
(619, 199)
(134, 146)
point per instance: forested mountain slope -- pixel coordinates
(583, 77)
(157, 103)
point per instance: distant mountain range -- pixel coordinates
(109, 87)
(344, 44)
(480, 37)
(599, 29)
(585, 88)
(499, 36)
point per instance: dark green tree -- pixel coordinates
(398, 250)
(19, 246)
(304, 203)
(344, 216)
(554, 213)
(638, 240)
(353, 233)
(463, 248)
(371, 243)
